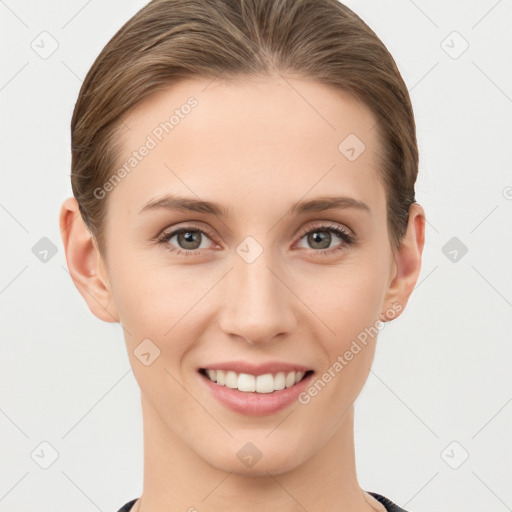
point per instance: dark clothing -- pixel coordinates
(390, 506)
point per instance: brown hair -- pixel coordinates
(172, 39)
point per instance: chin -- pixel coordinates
(258, 458)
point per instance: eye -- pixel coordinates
(190, 240)
(320, 238)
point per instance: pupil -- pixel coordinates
(189, 237)
(322, 237)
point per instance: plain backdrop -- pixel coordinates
(434, 419)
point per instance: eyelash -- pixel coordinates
(347, 237)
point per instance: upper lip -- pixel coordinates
(256, 369)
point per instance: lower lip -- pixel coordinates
(256, 404)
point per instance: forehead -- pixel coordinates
(261, 137)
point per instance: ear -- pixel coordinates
(407, 262)
(85, 263)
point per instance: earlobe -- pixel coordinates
(84, 262)
(408, 265)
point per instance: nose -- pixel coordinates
(258, 304)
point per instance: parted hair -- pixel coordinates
(169, 40)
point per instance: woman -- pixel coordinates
(243, 176)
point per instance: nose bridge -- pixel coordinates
(258, 305)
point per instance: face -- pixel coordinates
(245, 245)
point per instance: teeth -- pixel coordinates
(231, 380)
(280, 381)
(246, 382)
(290, 379)
(249, 383)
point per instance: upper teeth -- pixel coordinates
(266, 383)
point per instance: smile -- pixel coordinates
(246, 382)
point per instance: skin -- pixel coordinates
(263, 142)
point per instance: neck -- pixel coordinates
(177, 479)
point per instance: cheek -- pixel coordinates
(163, 304)
(348, 300)
(155, 296)
(350, 306)
(156, 308)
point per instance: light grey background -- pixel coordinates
(440, 388)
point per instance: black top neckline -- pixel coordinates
(390, 506)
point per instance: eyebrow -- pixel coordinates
(320, 204)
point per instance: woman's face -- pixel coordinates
(274, 274)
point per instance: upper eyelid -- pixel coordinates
(326, 225)
(174, 230)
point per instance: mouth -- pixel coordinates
(249, 383)
(255, 390)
